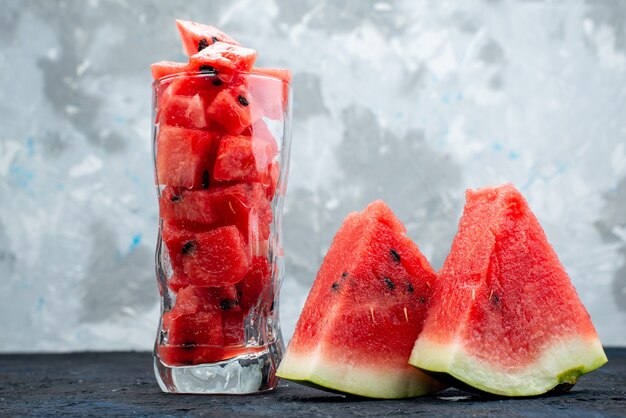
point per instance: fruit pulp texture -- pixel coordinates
(217, 169)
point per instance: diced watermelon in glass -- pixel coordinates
(216, 258)
(243, 158)
(184, 112)
(244, 205)
(270, 180)
(233, 109)
(250, 289)
(184, 157)
(197, 36)
(233, 327)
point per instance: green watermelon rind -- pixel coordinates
(340, 377)
(560, 363)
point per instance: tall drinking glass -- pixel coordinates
(221, 153)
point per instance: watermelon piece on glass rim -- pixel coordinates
(265, 90)
(224, 60)
(197, 36)
(166, 68)
(505, 317)
(364, 312)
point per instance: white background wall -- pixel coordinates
(409, 101)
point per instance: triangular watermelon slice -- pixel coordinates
(364, 312)
(505, 317)
(197, 36)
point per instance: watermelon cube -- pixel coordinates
(223, 59)
(233, 109)
(243, 158)
(251, 288)
(216, 258)
(197, 36)
(243, 205)
(184, 112)
(184, 157)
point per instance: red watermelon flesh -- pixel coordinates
(251, 288)
(184, 112)
(243, 158)
(270, 94)
(364, 312)
(225, 59)
(506, 318)
(234, 109)
(184, 157)
(233, 326)
(197, 36)
(216, 258)
(243, 205)
(166, 68)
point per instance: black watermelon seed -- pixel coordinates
(205, 179)
(216, 82)
(214, 39)
(243, 100)
(272, 307)
(495, 299)
(227, 304)
(188, 344)
(344, 274)
(335, 286)
(410, 288)
(188, 247)
(202, 43)
(423, 300)
(175, 198)
(389, 283)
(395, 255)
(207, 69)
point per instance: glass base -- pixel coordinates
(245, 374)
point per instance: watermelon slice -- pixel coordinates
(184, 157)
(505, 317)
(197, 36)
(243, 205)
(364, 312)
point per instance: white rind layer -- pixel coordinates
(356, 379)
(560, 362)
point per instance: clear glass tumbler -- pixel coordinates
(221, 152)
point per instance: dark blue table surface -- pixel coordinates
(123, 384)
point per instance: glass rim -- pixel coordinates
(197, 74)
